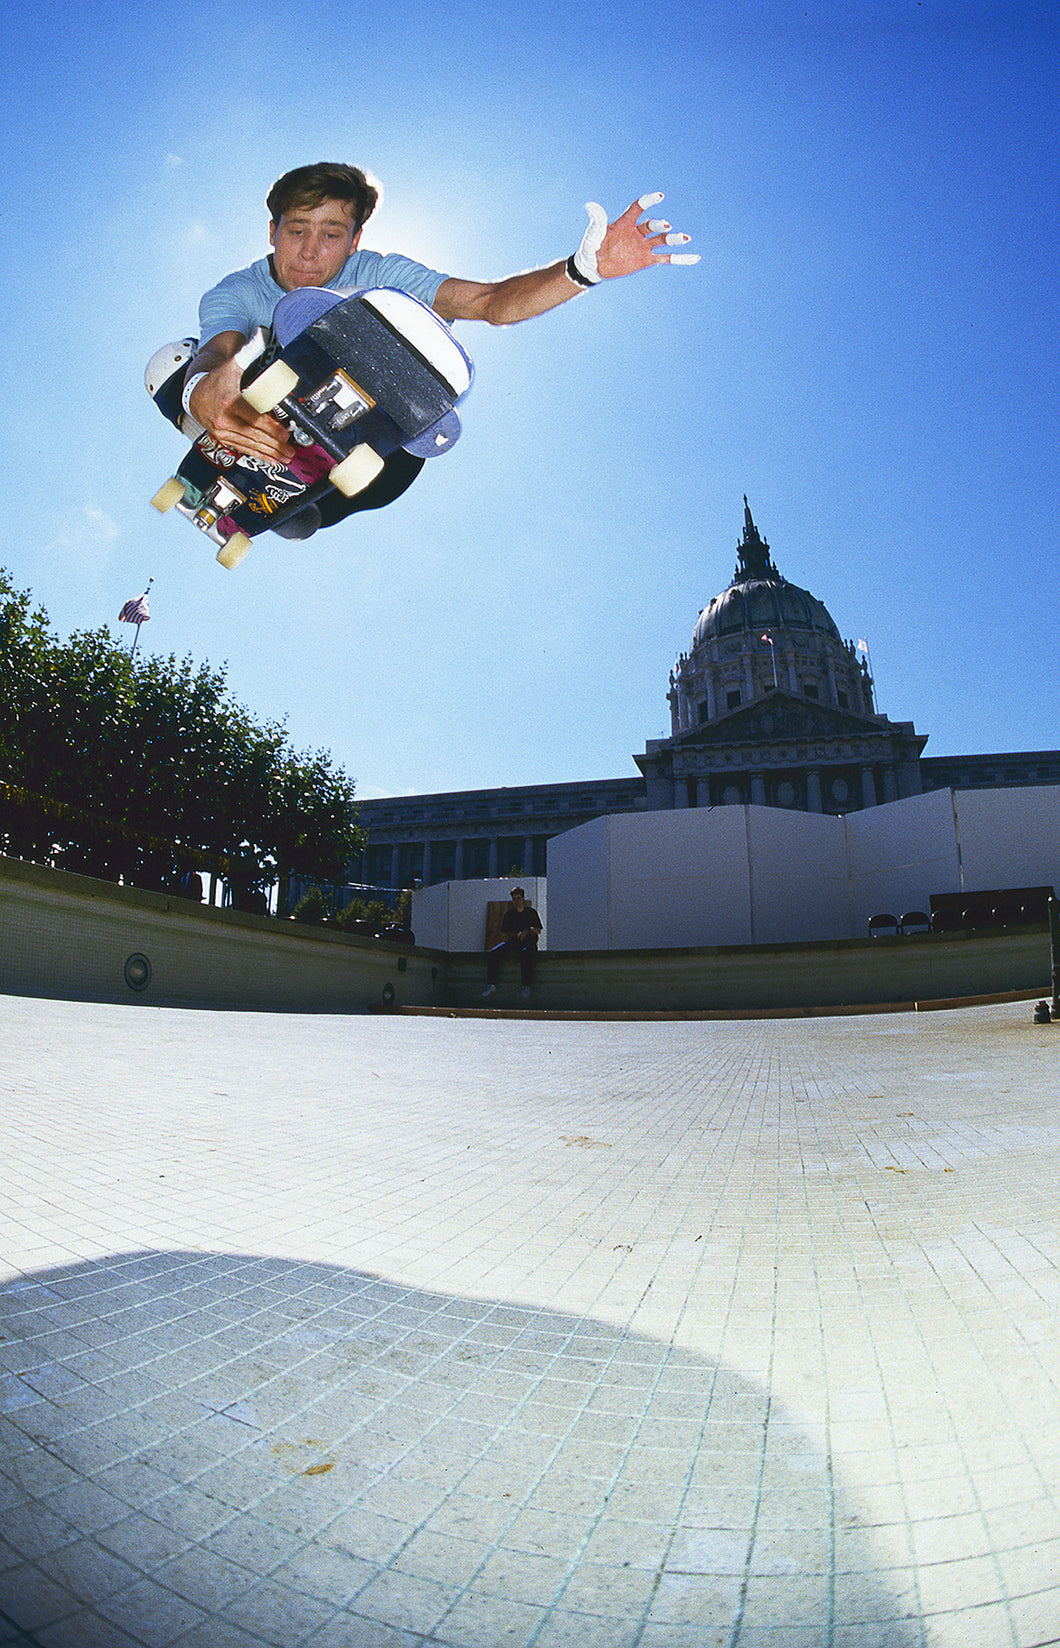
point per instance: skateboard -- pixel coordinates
(357, 377)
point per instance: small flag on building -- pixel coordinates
(136, 612)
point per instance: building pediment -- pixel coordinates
(782, 717)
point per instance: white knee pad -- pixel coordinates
(167, 360)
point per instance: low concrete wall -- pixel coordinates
(780, 977)
(73, 937)
(78, 938)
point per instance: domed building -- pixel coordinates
(764, 635)
(771, 706)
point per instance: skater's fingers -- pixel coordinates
(252, 435)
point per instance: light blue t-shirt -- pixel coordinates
(245, 300)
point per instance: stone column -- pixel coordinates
(425, 872)
(868, 787)
(494, 859)
(458, 862)
(758, 790)
(813, 791)
(395, 865)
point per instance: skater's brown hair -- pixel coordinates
(311, 186)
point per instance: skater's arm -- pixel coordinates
(607, 251)
(217, 404)
(502, 302)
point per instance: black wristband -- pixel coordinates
(576, 275)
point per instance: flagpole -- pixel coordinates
(768, 639)
(863, 646)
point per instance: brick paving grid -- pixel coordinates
(379, 1332)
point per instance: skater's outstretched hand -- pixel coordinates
(607, 250)
(621, 248)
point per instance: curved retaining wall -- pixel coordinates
(80, 939)
(852, 973)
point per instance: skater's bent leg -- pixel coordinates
(526, 961)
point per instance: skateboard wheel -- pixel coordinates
(231, 553)
(356, 472)
(268, 390)
(168, 495)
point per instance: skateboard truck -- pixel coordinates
(349, 400)
(274, 392)
(207, 510)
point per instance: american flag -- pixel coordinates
(135, 612)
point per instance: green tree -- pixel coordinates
(315, 834)
(24, 692)
(373, 912)
(83, 762)
(376, 912)
(141, 768)
(312, 907)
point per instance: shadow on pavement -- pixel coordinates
(238, 1450)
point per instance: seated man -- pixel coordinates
(317, 215)
(521, 926)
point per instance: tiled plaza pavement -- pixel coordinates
(379, 1332)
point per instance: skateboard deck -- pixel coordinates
(364, 381)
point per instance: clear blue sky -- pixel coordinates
(868, 349)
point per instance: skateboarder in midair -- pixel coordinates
(317, 215)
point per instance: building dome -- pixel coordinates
(761, 636)
(759, 599)
(757, 604)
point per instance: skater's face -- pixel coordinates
(310, 244)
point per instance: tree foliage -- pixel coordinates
(375, 913)
(142, 769)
